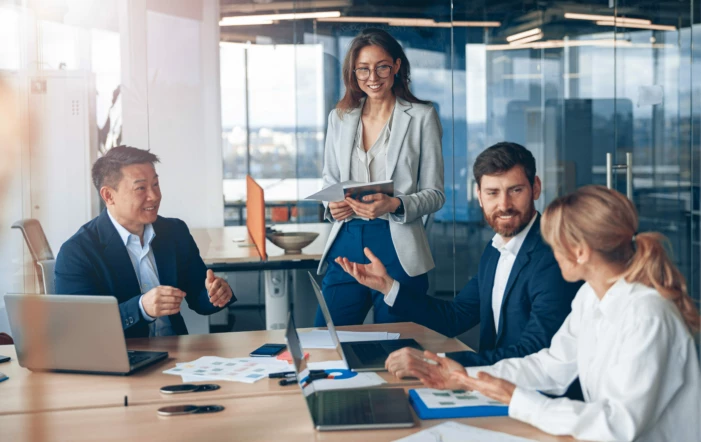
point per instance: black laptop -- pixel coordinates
(363, 355)
(348, 409)
(81, 334)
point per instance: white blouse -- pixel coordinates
(637, 364)
(370, 166)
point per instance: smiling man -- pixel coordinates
(149, 263)
(518, 297)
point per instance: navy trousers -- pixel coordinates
(348, 300)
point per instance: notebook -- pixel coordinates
(443, 404)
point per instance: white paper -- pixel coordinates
(246, 370)
(455, 432)
(454, 398)
(322, 338)
(340, 369)
(332, 193)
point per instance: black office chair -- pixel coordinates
(39, 248)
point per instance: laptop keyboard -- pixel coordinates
(345, 407)
(135, 358)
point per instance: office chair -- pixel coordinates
(40, 250)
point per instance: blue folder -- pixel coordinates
(425, 412)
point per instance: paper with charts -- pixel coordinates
(454, 398)
(247, 370)
(454, 432)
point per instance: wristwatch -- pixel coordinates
(400, 209)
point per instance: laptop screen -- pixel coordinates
(327, 318)
(294, 346)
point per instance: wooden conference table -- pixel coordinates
(75, 407)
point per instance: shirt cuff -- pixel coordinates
(526, 405)
(143, 312)
(392, 295)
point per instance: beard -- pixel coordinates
(512, 227)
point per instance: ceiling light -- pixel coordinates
(521, 41)
(637, 26)
(477, 24)
(419, 22)
(524, 34)
(257, 19)
(402, 21)
(606, 18)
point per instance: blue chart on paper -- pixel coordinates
(340, 373)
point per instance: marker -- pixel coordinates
(282, 374)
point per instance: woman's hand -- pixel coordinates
(373, 275)
(340, 210)
(495, 388)
(373, 206)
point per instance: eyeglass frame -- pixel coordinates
(375, 70)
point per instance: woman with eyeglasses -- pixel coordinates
(379, 131)
(628, 338)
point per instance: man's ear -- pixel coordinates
(107, 194)
(537, 186)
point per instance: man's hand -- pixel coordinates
(495, 388)
(340, 210)
(373, 275)
(442, 373)
(407, 362)
(162, 301)
(374, 206)
(218, 290)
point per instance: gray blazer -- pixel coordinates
(414, 162)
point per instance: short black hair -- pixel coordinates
(107, 170)
(502, 157)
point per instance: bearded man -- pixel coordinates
(518, 297)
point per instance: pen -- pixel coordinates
(282, 374)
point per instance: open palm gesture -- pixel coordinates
(373, 275)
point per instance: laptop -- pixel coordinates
(83, 334)
(347, 409)
(362, 355)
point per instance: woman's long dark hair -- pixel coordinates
(374, 37)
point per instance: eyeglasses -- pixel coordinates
(382, 71)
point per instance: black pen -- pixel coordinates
(282, 374)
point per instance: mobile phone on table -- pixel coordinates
(4, 358)
(268, 350)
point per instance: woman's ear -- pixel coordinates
(582, 253)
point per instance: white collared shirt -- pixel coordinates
(144, 264)
(636, 362)
(508, 252)
(370, 166)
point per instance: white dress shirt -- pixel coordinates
(636, 362)
(508, 252)
(144, 264)
(370, 166)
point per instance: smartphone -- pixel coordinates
(175, 410)
(5, 358)
(268, 350)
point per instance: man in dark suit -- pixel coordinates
(518, 297)
(149, 263)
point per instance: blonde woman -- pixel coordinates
(628, 337)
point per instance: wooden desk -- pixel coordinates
(75, 391)
(263, 418)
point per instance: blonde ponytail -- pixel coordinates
(652, 266)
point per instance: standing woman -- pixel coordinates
(379, 131)
(628, 338)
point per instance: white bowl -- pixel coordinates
(292, 242)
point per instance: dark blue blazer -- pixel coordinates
(536, 302)
(95, 261)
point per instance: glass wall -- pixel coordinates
(574, 83)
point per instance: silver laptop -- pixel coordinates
(80, 334)
(347, 409)
(363, 355)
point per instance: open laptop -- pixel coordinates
(347, 409)
(363, 355)
(82, 334)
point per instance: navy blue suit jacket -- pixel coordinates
(95, 261)
(536, 302)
